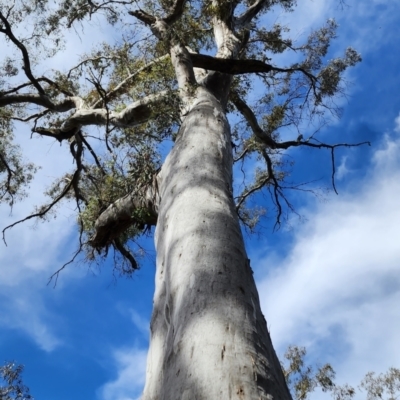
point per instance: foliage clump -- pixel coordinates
(11, 384)
(15, 174)
(303, 379)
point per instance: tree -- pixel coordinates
(159, 83)
(304, 379)
(10, 374)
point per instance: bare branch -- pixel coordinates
(276, 187)
(33, 116)
(175, 11)
(251, 12)
(44, 210)
(56, 133)
(125, 253)
(92, 152)
(134, 114)
(27, 64)
(240, 67)
(143, 16)
(251, 119)
(56, 274)
(123, 86)
(249, 192)
(42, 100)
(41, 79)
(10, 173)
(241, 156)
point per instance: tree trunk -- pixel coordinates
(209, 339)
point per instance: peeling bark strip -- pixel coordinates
(209, 339)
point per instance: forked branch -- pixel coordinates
(269, 142)
(6, 29)
(246, 17)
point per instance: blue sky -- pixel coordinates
(329, 281)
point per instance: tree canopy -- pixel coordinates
(124, 104)
(130, 89)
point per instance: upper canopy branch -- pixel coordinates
(251, 119)
(135, 114)
(244, 19)
(174, 13)
(45, 209)
(143, 16)
(42, 100)
(27, 64)
(41, 79)
(179, 54)
(124, 85)
(239, 67)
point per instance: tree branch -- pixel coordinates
(126, 254)
(42, 100)
(244, 19)
(134, 114)
(276, 186)
(251, 119)
(27, 64)
(41, 79)
(44, 210)
(249, 192)
(143, 16)
(122, 87)
(10, 174)
(175, 11)
(240, 67)
(120, 215)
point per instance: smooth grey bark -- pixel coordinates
(209, 339)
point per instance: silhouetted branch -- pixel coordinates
(27, 64)
(125, 253)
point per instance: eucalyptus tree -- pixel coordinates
(173, 76)
(12, 386)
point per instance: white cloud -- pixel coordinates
(397, 124)
(131, 367)
(142, 324)
(26, 312)
(35, 250)
(342, 169)
(337, 292)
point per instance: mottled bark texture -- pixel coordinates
(209, 339)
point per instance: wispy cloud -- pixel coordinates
(338, 289)
(131, 370)
(142, 324)
(397, 124)
(34, 250)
